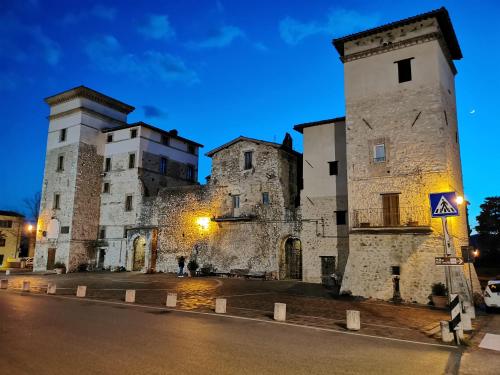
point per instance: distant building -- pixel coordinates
(11, 230)
(97, 170)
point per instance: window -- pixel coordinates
(165, 140)
(2, 244)
(125, 229)
(163, 166)
(341, 217)
(60, 163)
(265, 198)
(5, 223)
(379, 153)
(236, 201)
(190, 173)
(396, 270)
(390, 209)
(109, 139)
(56, 203)
(102, 233)
(64, 230)
(128, 203)
(191, 149)
(334, 168)
(105, 188)
(248, 159)
(131, 161)
(404, 70)
(107, 165)
(133, 133)
(62, 135)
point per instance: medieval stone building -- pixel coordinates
(355, 205)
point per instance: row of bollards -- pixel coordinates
(353, 316)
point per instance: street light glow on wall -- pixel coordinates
(460, 199)
(203, 222)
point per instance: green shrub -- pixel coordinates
(193, 265)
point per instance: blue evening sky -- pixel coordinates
(215, 70)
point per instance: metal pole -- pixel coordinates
(447, 268)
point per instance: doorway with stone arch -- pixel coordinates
(139, 254)
(291, 259)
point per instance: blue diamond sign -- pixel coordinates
(444, 204)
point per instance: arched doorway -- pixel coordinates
(291, 259)
(139, 253)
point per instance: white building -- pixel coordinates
(98, 168)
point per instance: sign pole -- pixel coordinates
(447, 252)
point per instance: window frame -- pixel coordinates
(163, 165)
(133, 133)
(56, 204)
(266, 201)
(341, 217)
(235, 201)
(165, 140)
(333, 168)
(8, 223)
(102, 232)
(404, 70)
(3, 243)
(129, 202)
(107, 164)
(62, 135)
(191, 149)
(106, 188)
(247, 162)
(109, 138)
(190, 172)
(131, 160)
(60, 163)
(381, 159)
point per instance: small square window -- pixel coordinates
(62, 135)
(60, 163)
(379, 153)
(248, 159)
(133, 133)
(131, 161)
(109, 138)
(165, 140)
(192, 149)
(404, 70)
(396, 270)
(265, 198)
(128, 203)
(341, 217)
(236, 201)
(105, 188)
(64, 230)
(334, 168)
(56, 204)
(107, 165)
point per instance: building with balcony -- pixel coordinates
(11, 231)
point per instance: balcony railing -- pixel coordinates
(380, 218)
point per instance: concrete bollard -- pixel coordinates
(4, 283)
(26, 286)
(470, 309)
(280, 312)
(81, 291)
(353, 320)
(130, 296)
(220, 305)
(446, 335)
(7, 272)
(51, 288)
(466, 322)
(171, 299)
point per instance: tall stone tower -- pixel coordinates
(70, 205)
(402, 144)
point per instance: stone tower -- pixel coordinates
(70, 205)
(402, 144)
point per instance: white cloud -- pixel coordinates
(157, 26)
(107, 54)
(339, 22)
(218, 38)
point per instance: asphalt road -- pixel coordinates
(59, 335)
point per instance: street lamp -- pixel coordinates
(460, 199)
(203, 222)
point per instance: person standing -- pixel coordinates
(181, 261)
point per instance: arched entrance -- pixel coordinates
(139, 253)
(291, 264)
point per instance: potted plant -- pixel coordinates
(192, 267)
(59, 267)
(439, 295)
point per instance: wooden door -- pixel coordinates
(51, 258)
(390, 204)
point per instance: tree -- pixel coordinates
(488, 229)
(32, 205)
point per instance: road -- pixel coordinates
(42, 334)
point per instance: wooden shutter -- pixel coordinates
(390, 204)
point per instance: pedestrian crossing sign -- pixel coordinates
(444, 204)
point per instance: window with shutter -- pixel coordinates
(390, 207)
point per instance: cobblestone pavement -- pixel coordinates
(307, 304)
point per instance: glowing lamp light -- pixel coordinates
(460, 199)
(203, 222)
(30, 227)
(475, 253)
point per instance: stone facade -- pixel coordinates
(11, 230)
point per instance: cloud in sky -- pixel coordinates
(218, 38)
(151, 111)
(157, 26)
(339, 22)
(98, 11)
(22, 43)
(107, 54)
